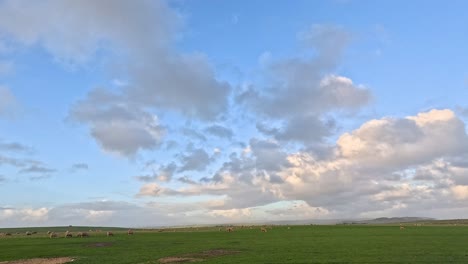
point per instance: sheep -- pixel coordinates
(402, 227)
(230, 229)
(48, 232)
(52, 235)
(68, 234)
(130, 232)
(28, 233)
(109, 233)
(82, 234)
(7, 234)
(263, 229)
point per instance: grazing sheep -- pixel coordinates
(68, 234)
(28, 233)
(229, 229)
(263, 229)
(7, 234)
(130, 232)
(82, 234)
(109, 233)
(52, 235)
(402, 227)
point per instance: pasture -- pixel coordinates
(297, 244)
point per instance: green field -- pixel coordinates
(299, 244)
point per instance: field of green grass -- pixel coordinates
(299, 244)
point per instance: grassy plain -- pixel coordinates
(299, 244)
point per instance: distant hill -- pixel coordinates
(391, 220)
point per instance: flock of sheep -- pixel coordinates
(262, 229)
(67, 234)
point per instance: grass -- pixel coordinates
(300, 244)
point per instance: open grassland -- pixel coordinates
(281, 244)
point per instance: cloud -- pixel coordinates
(307, 129)
(388, 166)
(406, 141)
(79, 167)
(26, 215)
(14, 147)
(153, 189)
(195, 160)
(300, 91)
(192, 133)
(220, 131)
(165, 174)
(140, 51)
(36, 169)
(159, 75)
(119, 127)
(460, 192)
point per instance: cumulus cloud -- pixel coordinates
(159, 75)
(194, 160)
(118, 126)
(153, 189)
(407, 141)
(388, 166)
(164, 174)
(300, 91)
(27, 216)
(139, 50)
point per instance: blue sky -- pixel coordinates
(144, 113)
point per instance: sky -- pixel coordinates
(157, 113)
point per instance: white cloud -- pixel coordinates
(398, 166)
(25, 216)
(460, 192)
(399, 142)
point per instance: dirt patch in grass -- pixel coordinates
(39, 261)
(178, 260)
(99, 244)
(199, 256)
